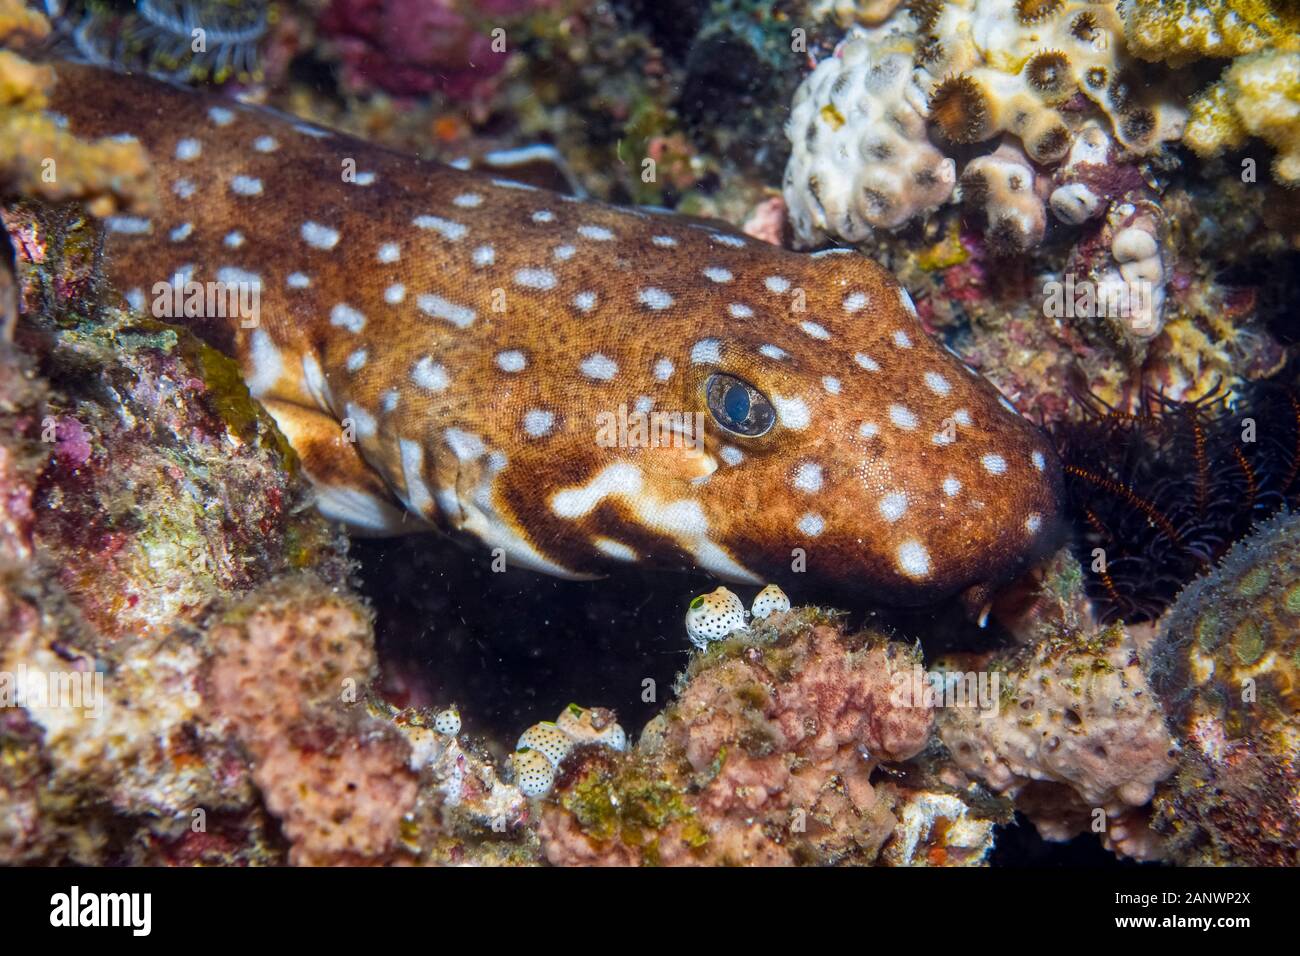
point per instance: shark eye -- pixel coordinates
(739, 407)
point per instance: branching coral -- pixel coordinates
(1179, 31)
(1258, 93)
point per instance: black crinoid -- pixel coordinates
(182, 40)
(1158, 496)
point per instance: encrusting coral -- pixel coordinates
(37, 157)
(1227, 669)
(968, 71)
(1077, 730)
(767, 756)
(337, 779)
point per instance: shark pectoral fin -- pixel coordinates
(347, 488)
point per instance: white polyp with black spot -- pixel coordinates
(447, 722)
(714, 616)
(768, 601)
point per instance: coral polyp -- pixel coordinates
(960, 108)
(1051, 74)
(1036, 11)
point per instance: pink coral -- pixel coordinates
(284, 677)
(766, 758)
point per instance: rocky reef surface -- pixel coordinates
(253, 695)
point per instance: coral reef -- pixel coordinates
(337, 780)
(157, 536)
(766, 756)
(1225, 667)
(1076, 730)
(119, 549)
(130, 576)
(1258, 95)
(37, 157)
(1074, 253)
(969, 70)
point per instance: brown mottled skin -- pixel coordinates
(871, 511)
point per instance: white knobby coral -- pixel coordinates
(1074, 200)
(861, 157)
(1136, 279)
(1004, 186)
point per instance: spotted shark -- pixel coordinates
(572, 385)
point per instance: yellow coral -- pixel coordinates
(1001, 66)
(40, 159)
(20, 24)
(1258, 95)
(1179, 31)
